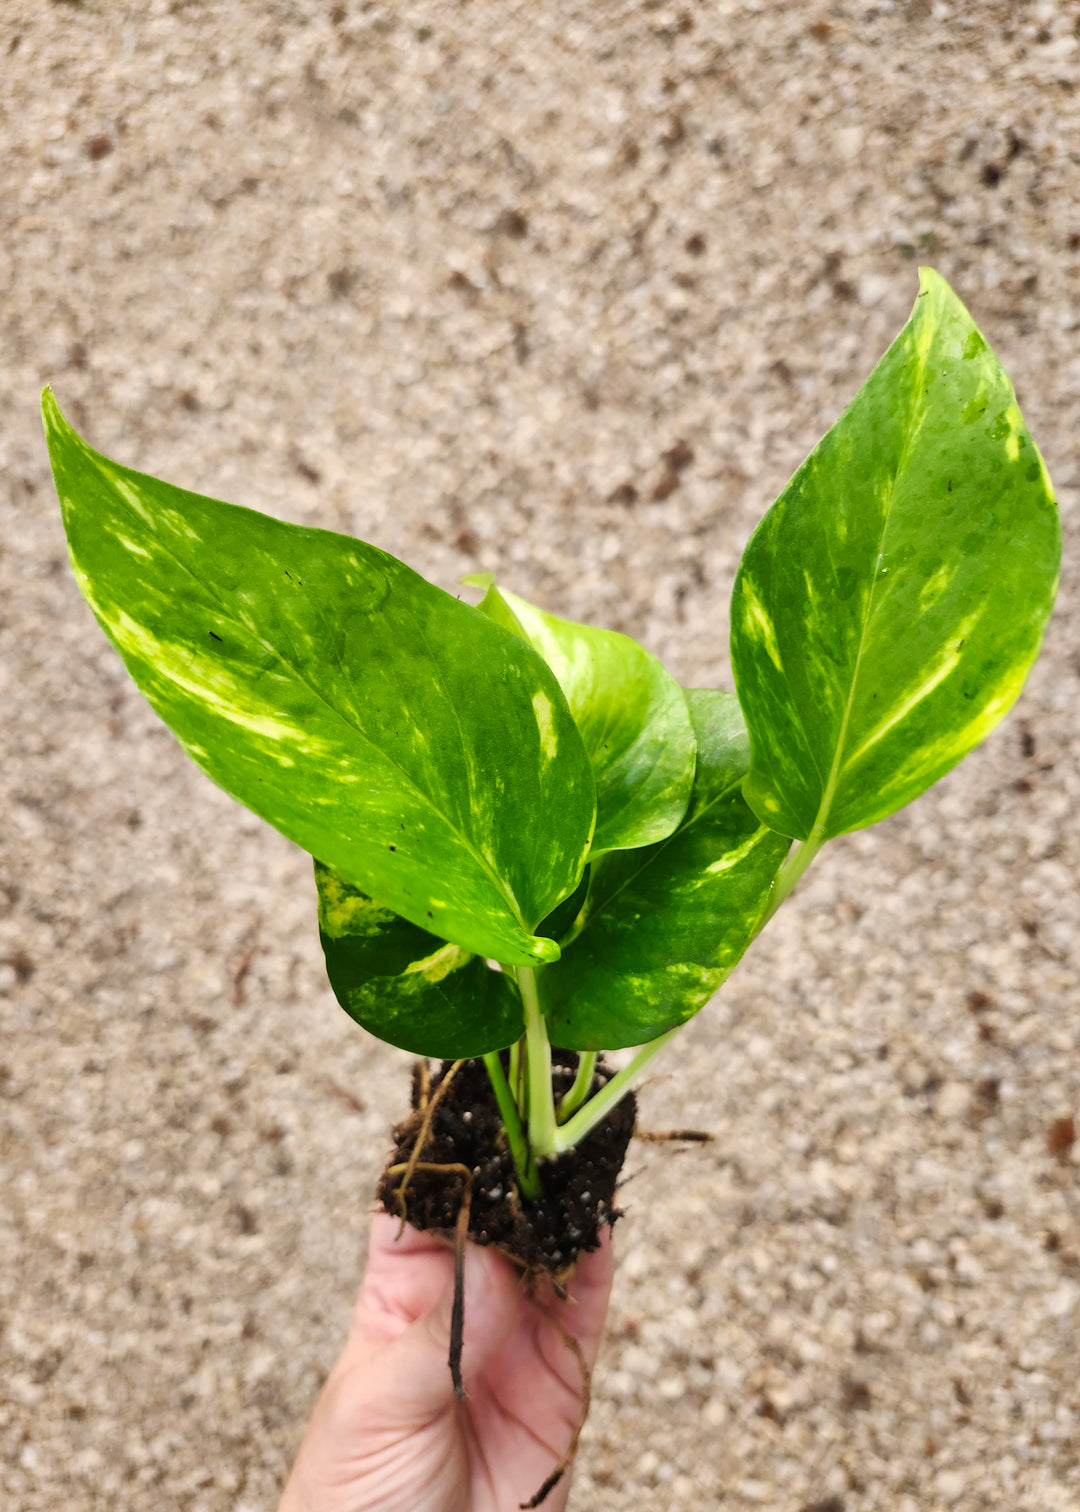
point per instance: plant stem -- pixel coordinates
(586, 1069)
(541, 1114)
(597, 1108)
(524, 1164)
(521, 1092)
(515, 1072)
(794, 865)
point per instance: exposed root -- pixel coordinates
(567, 1460)
(423, 1085)
(457, 1315)
(429, 1106)
(461, 1234)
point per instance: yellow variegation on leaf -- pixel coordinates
(407, 986)
(424, 752)
(631, 712)
(888, 607)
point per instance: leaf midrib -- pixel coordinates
(914, 427)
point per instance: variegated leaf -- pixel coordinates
(421, 750)
(631, 712)
(889, 605)
(407, 986)
(663, 927)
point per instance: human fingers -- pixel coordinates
(412, 1359)
(585, 1314)
(406, 1274)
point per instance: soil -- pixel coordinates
(466, 1134)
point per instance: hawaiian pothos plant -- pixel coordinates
(525, 832)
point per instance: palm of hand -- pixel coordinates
(388, 1433)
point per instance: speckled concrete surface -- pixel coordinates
(461, 278)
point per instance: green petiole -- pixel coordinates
(569, 1134)
(540, 1116)
(582, 1086)
(524, 1164)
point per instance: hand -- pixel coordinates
(388, 1434)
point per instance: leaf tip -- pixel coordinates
(50, 411)
(544, 950)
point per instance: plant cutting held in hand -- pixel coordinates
(531, 845)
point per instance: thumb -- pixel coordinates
(416, 1365)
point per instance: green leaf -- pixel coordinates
(663, 927)
(420, 750)
(560, 921)
(631, 712)
(889, 605)
(407, 986)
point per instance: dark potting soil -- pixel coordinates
(544, 1237)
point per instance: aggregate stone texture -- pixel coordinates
(562, 290)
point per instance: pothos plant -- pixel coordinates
(526, 834)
